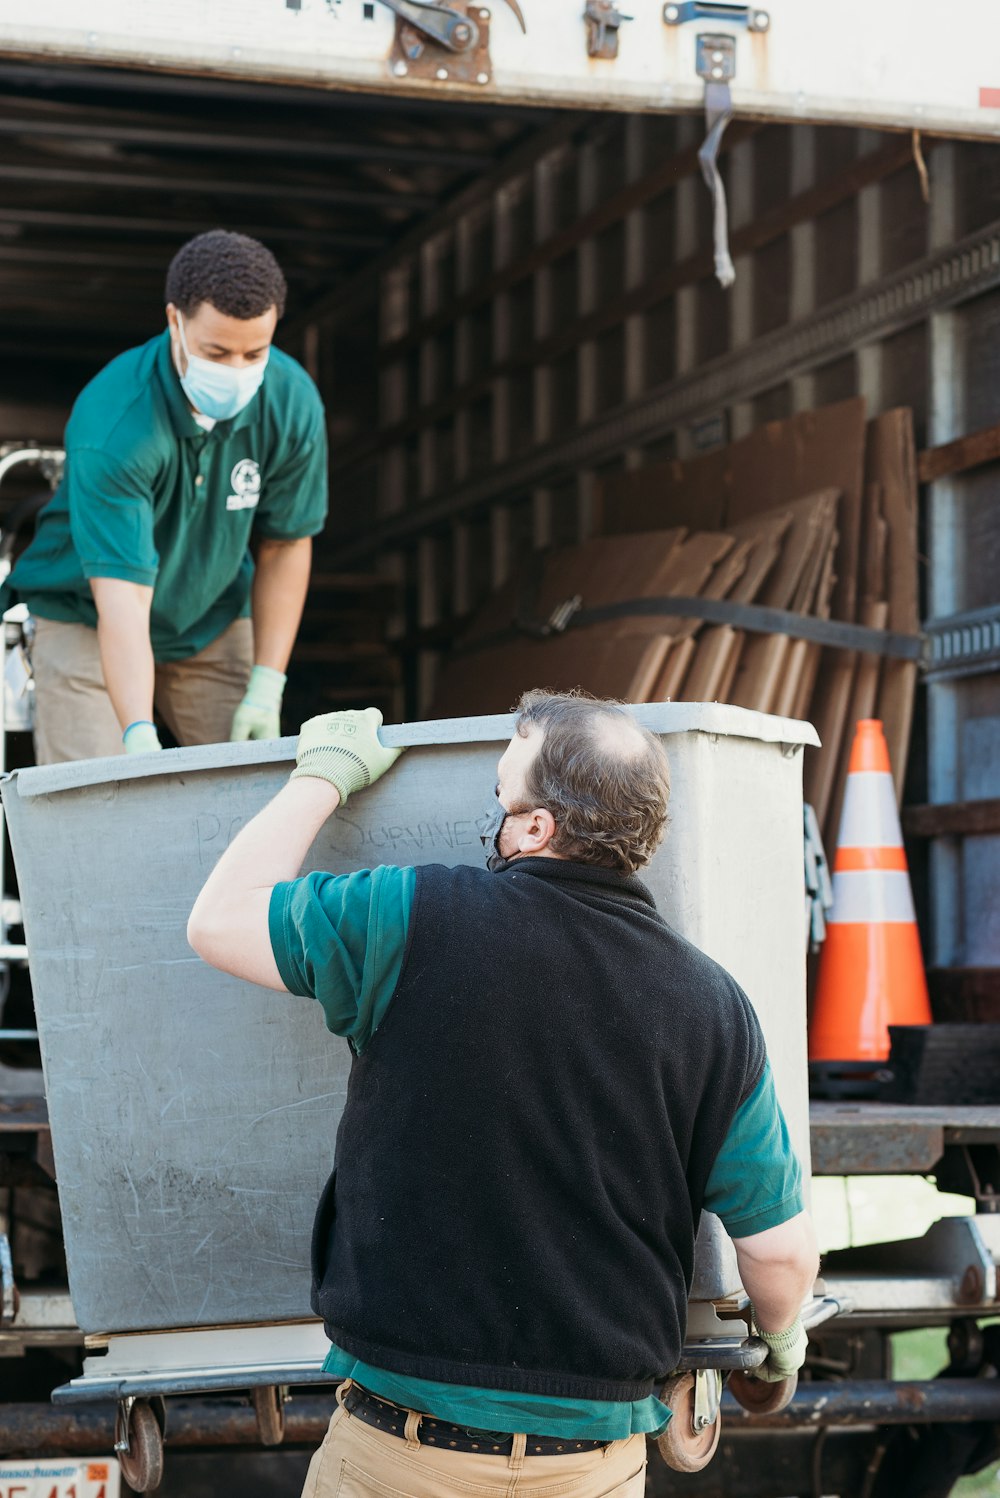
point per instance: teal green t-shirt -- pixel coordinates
(148, 496)
(341, 940)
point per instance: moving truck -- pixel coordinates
(536, 250)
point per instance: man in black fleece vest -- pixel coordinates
(549, 1086)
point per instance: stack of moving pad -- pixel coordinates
(815, 517)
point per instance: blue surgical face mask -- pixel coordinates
(218, 390)
(490, 837)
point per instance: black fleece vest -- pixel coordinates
(526, 1142)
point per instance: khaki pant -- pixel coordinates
(360, 1461)
(74, 719)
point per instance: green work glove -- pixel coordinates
(259, 714)
(344, 749)
(786, 1352)
(141, 737)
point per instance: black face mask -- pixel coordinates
(490, 837)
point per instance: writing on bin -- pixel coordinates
(350, 836)
(215, 834)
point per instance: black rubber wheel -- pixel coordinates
(269, 1408)
(759, 1397)
(682, 1447)
(142, 1464)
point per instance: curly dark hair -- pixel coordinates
(605, 780)
(237, 274)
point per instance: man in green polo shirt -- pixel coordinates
(140, 580)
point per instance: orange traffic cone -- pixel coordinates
(871, 973)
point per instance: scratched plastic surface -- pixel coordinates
(194, 1116)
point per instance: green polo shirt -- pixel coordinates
(341, 940)
(150, 497)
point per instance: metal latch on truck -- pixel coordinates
(603, 20)
(715, 63)
(444, 42)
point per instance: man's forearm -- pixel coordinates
(235, 899)
(338, 754)
(271, 847)
(777, 1293)
(280, 585)
(778, 1269)
(126, 653)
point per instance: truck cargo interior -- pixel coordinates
(563, 454)
(514, 318)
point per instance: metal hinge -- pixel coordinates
(443, 42)
(437, 23)
(603, 20)
(715, 58)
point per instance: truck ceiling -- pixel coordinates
(105, 172)
(889, 65)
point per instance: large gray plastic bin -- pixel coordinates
(193, 1116)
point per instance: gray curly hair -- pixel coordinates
(605, 780)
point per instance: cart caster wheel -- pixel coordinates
(268, 1402)
(758, 1396)
(138, 1428)
(682, 1446)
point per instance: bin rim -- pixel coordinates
(715, 718)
